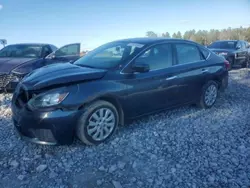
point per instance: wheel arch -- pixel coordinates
(111, 99)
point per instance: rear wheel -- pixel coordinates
(97, 123)
(209, 95)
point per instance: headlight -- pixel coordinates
(223, 53)
(48, 99)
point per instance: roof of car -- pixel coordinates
(37, 44)
(227, 41)
(149, 40)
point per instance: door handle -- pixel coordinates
(171, 78)
(204, 70)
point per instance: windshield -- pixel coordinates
(223, 45)
(110, 55)
(21, 50)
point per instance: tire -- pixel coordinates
(87, 132)
(244, 65)
(248, 62)
(204, 102)
(231, 63)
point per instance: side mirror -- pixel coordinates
(45, 54)
(141, 67)
(51, 56)
(237, 47)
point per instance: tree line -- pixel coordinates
(206, 37)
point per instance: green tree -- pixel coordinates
(206, 37)
(174, 35)
(167, 35)
(213, 35)
(178, 35)
(151, 34)
(247, 34)
(201, 37)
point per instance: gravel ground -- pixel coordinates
(185, 147)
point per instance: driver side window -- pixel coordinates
(157, 57)
(67, 50)
(243, 45)
(239, 45)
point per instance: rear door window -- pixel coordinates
(205, 52)
(187, 53)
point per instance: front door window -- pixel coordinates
(68, 50)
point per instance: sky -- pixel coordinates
(95, 22)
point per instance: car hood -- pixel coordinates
(60, 74)
(8, 64)
(221, 50)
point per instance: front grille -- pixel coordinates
(5, 79)
(45, 135)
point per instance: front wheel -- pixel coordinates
(97, 123)
(209, 94)
(246, 63)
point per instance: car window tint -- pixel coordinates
(205, 52)
(110, 55)
(187, 53)
(46, 51)
(157, 57)
(54, 48)
(67, 50)
(243, 45)
(239, 44)
(223, 44)
(115, 52)
(21, 50)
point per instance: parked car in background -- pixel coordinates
(104, 88)
(18, 60)
(248, 52)
(235, 51)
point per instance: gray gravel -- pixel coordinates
(185, 147)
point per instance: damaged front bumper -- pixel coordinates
(56, 127)
(8, 82)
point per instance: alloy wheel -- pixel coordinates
(101, 124)
(210, 95)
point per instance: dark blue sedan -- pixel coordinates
(18, 60)
(117, 81)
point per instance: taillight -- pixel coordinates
(227, 65)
